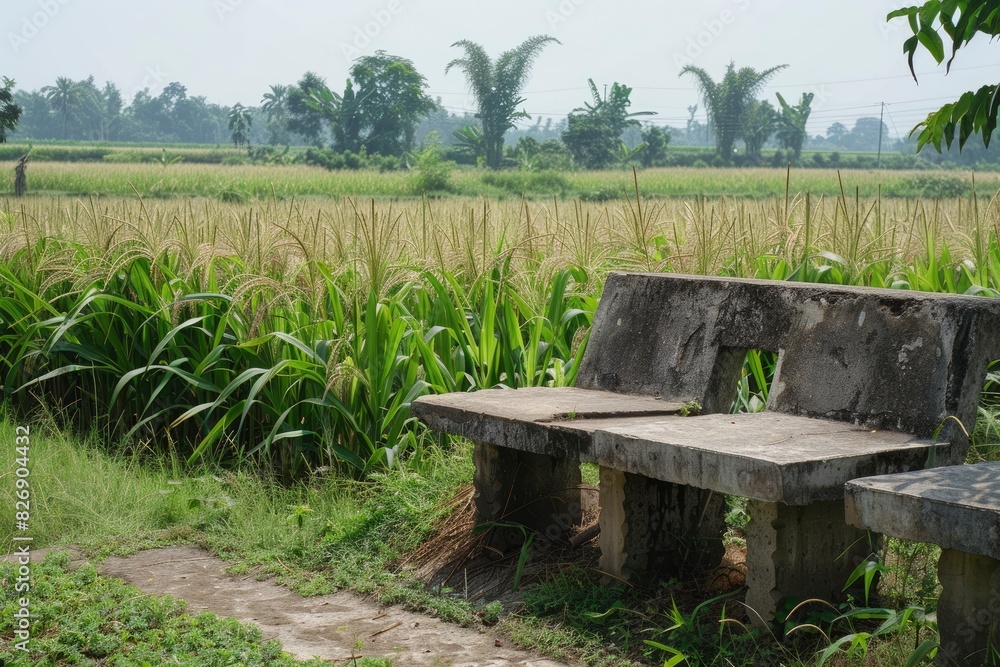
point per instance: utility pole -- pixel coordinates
(880, 126)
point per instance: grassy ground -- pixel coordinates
(81, 618)
(327, 534)
(319, 536)
(111, 504)
(236, 183)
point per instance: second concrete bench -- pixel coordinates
(958, 508)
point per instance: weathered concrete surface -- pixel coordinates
(766, 456)
(956, 507)
(542, 420)
(884, 359)
(655, 528)
(806, 552)
(969, 609)
(538, 491)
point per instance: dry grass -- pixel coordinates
(469, 236)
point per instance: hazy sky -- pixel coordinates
(231, 50)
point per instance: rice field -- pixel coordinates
(241, 183)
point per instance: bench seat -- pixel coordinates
(767, 456)
(958, 508)
(540, 420)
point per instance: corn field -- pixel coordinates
(295, 335)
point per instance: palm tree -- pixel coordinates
(275, 108)
(613, 107)
(63, 96)
(729, 100)
(240, 121)
(594, 131)
(275, 103)
(496, 87)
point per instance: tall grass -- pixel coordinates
(249, 346)
(297, 334)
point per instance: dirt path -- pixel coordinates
(328, 627)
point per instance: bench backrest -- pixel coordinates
(887, 359)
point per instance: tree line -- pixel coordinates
(383, 109)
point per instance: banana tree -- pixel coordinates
(792, 124)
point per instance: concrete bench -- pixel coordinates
(958, 508)
(864, 379)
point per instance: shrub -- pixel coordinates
(535, 182)
(266, 154)
(333, 160)
(930, 186)
(324, 157)
(432, 174)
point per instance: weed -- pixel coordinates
(691, 408)
(79, 617)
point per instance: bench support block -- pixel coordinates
(540, 492)
(798, 551)
(649, 526)
(969, 608)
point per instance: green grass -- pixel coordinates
(350, 537)
(81, 494)
(91, 153)
(81, 618)
(191, 178)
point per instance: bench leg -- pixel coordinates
(540, 492)
(654, 527)
(806, 552)
(969, 608)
